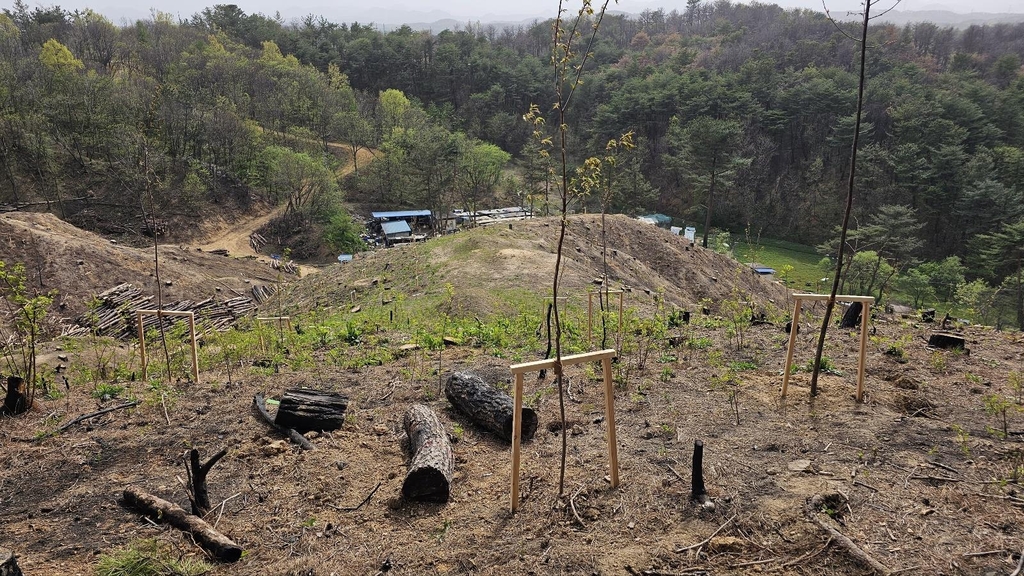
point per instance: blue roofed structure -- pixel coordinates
(396, 227)
(400, 214)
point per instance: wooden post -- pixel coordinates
(142, 348)
(517, 430)
(792, 344)
(590, 318)
(604, 356)
(866, 301)
(609, 415)
(590, 315)
(195, 348)
(618, 342)
(192, 333)
(864, 315)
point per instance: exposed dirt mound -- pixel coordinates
(483, 263)
(80, 264)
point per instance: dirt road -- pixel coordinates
(234, 236)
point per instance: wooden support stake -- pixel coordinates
(864, 315)
(867, 301)
(517, 431)
(590, 314)
(195, 348)
(609, 415)
(792, 345)
(191, 316)
(605, 357)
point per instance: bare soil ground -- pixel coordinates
(80, 264)
(914, 476)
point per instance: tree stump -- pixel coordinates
(430, 470)
(928, 315)
(306, 410)
(9, 564)
(851, 319)
(947, 340)
(15, 402)
(487, 406)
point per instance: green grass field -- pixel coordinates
(778, 253)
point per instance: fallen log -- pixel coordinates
(487, 406)
(9, 564)
(294, 436)
(852, 549)
(218, 545)
(306, 410)
(430, 470)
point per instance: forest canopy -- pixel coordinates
(225, 106)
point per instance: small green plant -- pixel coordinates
(148, 558)
(666, 374)
(963, 439)
(972, 378)
(699, 343)
(742, 365)
(22, 326)
(442, 532)
(938, 361)
(1016, 382)
(998, 405)
(458, 431)
(107, 390)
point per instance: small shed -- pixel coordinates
(660, 220)
(396, 231)
(416, 219)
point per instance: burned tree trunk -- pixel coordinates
(430, 471)
(9, 564)
(851, 319)
(218, 545)
(199, 494)
(487, 406)
(294, 436)
(947, 341)
(15, 402)
(307, 410)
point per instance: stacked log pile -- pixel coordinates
(114, 315)
(289, 267)
(263, 293)
(257, 242)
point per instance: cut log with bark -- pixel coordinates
(218, 545)
(947, 341)
(15, 402)
(430, 470)
(9, 564)
(307, 410)
(487, 406)
(851, 319)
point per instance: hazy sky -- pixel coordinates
(391, 12)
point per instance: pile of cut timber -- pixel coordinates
(263, 293)
(115, 313)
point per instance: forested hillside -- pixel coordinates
(229, 105)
